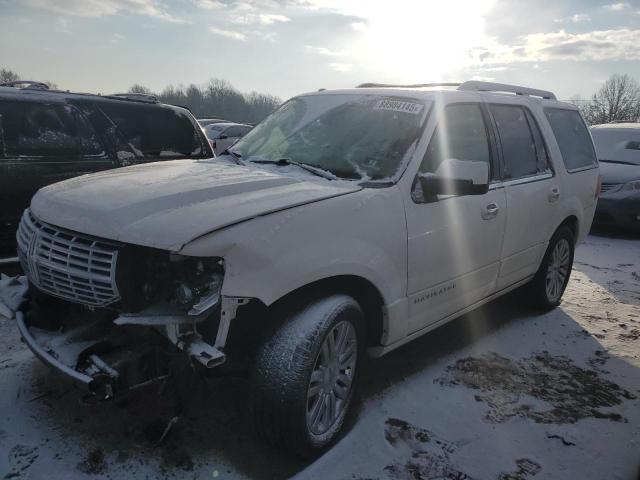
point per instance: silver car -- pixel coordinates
(223, 135)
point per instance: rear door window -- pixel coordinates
(153, 131)
(46, 130)
(573, 138)
(544, 165)
(523, 150)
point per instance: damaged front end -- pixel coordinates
(114, 316)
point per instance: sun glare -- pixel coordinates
(417, 41)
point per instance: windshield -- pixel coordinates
(352, 136)
(617, 145)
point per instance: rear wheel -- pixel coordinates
(305, 375)
(550, 281)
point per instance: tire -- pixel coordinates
(551, 279)
(286, 374)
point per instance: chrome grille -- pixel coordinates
(608, 187)
(66, 264)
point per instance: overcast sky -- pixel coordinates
(285, 47)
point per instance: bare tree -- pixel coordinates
(137, 88)
(7, 75)
(583, 105)
(617, 100)
(218, 98)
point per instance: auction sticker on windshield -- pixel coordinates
(399, 106)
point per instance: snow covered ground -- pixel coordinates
(502, 393)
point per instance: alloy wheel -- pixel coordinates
(558, 269)
(332, 378)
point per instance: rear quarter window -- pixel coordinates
(572, 137)
(152, 131)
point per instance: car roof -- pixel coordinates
(61, 96)
(488, 90)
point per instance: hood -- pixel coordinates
(618, 172)
(167, 204)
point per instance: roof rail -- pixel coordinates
(28, 84)
(472, 85)
(477, 86)
(415, 85)
(140, 97)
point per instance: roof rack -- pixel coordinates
(477, 86)
(415, 85)
(472, 85)
(140, 97)
(28, 84)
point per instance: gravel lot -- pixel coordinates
(502, 393)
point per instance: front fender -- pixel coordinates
(362, 234)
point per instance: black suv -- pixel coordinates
(47, 136)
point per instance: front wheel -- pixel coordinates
(305, 374)
(551, 279)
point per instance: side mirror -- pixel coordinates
(224, 136)
(456, 177)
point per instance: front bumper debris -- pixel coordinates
(46, 354)
(109, 354)
(179, 329)
(100, 357)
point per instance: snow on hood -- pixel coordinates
(168, 204)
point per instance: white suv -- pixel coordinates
(348, 221)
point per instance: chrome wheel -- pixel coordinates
(332, 378)
(558, 269)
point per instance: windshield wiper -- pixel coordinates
(236, 156)
(309, 168)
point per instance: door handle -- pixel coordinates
(554, 194)
(490, 211)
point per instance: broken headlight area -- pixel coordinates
(147, 276)
(169, 306)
